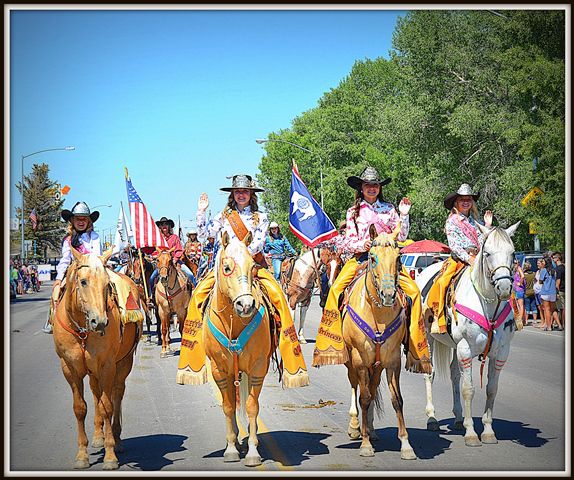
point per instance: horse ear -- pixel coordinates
(106, 255)
(372, 231)
(511, 230)
(483, 229)
(77, 255)
(396, 231)
(225, 239)
(248, 238)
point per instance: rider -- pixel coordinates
(82, 237)
(192, 247)
(464, 239)
(207, 255)
(166, 227)
(369, 209)
(278, 246)
(240, 216)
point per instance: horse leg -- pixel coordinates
(375, 381)
(98, 437)
(456, 403)
(80, 410)
(464, 356)
(365, 399)
(164, 316)
(393, 376)
(432, 423)
(225, 384)
(123, 369)
(495, 366)
(108, 373)
(353, 430)
(252, 458)
(302, 318)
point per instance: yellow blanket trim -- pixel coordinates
(187, 376)
(293, 380)
(330, 356)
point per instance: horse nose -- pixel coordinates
(244, 305)
(98, 324)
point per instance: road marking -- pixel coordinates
(276, 453)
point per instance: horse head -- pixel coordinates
(300, 285)
(234, 274)
(91, 282)
(494, 261)
(384, 265)
(164, 263)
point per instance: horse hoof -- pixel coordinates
(81, 464)
(111, 465)
(367, 452)
(489, 438)
(252, 461)
(354, 434)
(432, 425)
(163, 354)
(408, 454)
(458, 425)
(97, 442)
(472, 441)
(231, 457)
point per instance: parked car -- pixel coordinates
(531, 257)
(415, 263)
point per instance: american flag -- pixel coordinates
(146, 232)
(34, 218)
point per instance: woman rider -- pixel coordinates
(369, 209)
(240, 216)
(464, 239)
(278, 246)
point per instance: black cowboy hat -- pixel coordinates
(243, 182)
(465, 189)
(369, 175)
(165, 221)
(80, 209)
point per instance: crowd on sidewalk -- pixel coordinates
(23, 278)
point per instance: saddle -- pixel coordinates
(450, 297)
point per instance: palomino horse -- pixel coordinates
(172, 294)
(238, 339)
(134, 271)
(90, 340)
(297, 281)
(374, 326)
(483, 326)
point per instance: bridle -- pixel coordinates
(387, 280)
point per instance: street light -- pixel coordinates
(22, 186)
(109, 206)
(265, 140)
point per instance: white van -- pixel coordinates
(415, 263)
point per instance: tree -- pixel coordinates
(39, 194)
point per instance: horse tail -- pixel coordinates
(442, 356)
(378, 401)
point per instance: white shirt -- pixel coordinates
(90, 243)
(218, 225)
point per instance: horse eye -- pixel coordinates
(83, 283)
(486, 254)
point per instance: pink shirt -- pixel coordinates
(174, 241)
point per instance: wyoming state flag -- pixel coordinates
(307, 219)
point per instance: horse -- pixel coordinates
(297, 280)
(374, 326)
(237, 338)
(333, 265)
(191, 262)
(482, 324)
(90, 340)
(172, 294)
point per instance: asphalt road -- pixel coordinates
(180, 428)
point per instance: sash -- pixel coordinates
(82, 249)
(480, 319)
(241, 231)
(468, 230)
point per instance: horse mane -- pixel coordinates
(497, 235)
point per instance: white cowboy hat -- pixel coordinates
(80, 209)
(243, 182)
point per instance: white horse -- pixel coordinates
(483, 326)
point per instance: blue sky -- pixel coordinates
(176, 96)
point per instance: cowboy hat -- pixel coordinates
(165, 221)
(80, 209)
(464, 189)
(243, 182)
(273, 225)
(369, 175)
(191, 232)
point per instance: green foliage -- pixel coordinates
(468, 96)
(39, 193)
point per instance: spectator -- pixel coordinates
(208, 253)
(519, 286)
(548, 295)
(560, 287)
(25, 278)
(14, 278)
(529, 295)
(537, 287)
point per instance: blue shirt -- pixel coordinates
(549, 285)
(278, 246)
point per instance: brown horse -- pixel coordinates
(172, 294)
(333, 265)
(191, 261)
(374, 325)
(237, 339)
(90, 340)
(134, 271)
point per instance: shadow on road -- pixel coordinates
(286, 447)
(148, 452)
(28, 299)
